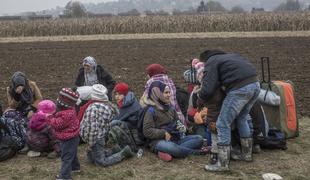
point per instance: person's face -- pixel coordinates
(167, 94)
(118, 96)
(19, 89)
(87, 68)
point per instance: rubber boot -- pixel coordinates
(223, 160)
(246, 150)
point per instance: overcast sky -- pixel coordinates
(17, 6)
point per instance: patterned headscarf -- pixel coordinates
(90, 77)
(91, 61)
(156, 95)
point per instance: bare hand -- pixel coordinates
(167, 136)
(30, 113)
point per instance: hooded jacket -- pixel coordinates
(129, 112)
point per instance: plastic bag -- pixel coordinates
(269, 97)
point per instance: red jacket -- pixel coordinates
(65, 124)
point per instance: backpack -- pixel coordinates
(120, 134)
(274, 140)
(182, 99)
(8, 148)
(140, 122)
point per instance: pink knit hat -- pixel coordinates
(47, 107)
(199, 65)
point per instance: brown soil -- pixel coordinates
(54, 64)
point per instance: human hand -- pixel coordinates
(167, 136)
(30, 113)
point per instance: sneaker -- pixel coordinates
(24, 150)
(58, 178)
(164, 156)
(33, 154)
(205, 150)
(53, 155)
(76, 171)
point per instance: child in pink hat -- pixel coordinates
(40, 137)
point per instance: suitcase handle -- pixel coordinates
(265, 60)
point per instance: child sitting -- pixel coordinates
(66, 127)
(127, 103)
(40, 137)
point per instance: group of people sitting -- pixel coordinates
(226, 89)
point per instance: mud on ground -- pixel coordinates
(55, 64)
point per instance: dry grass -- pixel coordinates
(290, 164)
(159, 24)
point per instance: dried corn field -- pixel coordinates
(159, 24)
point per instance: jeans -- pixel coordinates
(181, 148)
(69, 159)
(102, 156)
(203, 131)
(236, 107)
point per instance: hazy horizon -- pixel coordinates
(11, 7)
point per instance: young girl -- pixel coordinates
(66, 127)
(161, 126)
(40, 137)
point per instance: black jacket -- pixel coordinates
(230, 71)
(104, 78)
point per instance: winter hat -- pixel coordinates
(199, 65)
(121, 88)
(99, 92)
(89, 60)
(155, 69)
(208, 53)
(194, 62)
(67, 97)
(47, 107)
(37, 121)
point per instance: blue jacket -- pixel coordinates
(230, 71)
(129, 112)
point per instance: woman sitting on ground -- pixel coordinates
(23, 95)
(91, 74)
(157, 72)
(163, 129)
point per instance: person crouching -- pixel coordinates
(95, 127)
